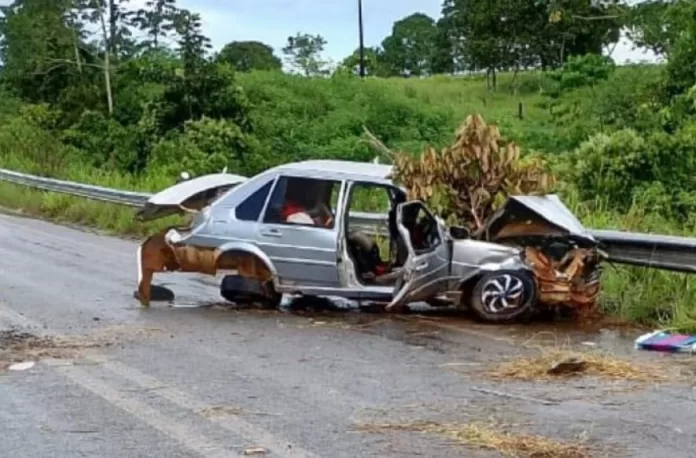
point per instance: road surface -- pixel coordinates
(197, 378)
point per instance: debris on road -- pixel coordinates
(21, 366)
(255, 451)
(220, 411)
(667, 342)
(19, 346)
(558, 363)
(490, 436)
(568, 365)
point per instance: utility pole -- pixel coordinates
(362, 41)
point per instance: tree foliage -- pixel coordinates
(474, 174)
(409, 50)
(245, 56)
(303, 53)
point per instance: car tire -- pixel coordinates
(504, 295)
(245, 291)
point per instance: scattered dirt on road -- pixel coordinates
(491, 436)
(122, 333)
(17, 346)
(554, 364)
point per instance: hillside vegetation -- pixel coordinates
(111, 110)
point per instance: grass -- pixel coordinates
(596, 364)
(491, 436)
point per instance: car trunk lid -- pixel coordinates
(194, 194)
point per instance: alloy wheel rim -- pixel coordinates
(502, 293)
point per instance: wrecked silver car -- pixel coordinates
(295, 229)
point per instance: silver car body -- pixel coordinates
(315, 261)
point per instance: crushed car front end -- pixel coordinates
(564, 256)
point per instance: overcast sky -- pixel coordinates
(272, 21)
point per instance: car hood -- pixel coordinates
(195, 193)
(549, 209)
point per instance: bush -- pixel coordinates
(205, 146)
(581, 71)
(623, 167)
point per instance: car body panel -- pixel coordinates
(527, 209)
(194, 194)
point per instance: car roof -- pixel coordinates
(350, 170)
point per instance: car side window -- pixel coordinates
(250, 209)
(303, 201)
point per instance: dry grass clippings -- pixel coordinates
(491, 436)
(549, 364)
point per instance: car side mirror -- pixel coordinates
(459, 232)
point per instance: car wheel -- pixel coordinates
(503, 295)
(245, 291)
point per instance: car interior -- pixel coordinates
(377, 261)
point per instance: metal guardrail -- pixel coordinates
(117, 196)
(137, 199)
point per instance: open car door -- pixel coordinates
(425, 272)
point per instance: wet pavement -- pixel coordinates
(200, 378)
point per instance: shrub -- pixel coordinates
(624, 166)
(205, 146)
(582, 71)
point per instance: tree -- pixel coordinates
(480, 33)
(157, 20)
(443, 57)
(578, 27)
(518, 34)
(37, 48)
(657, 24)
(303, 52)
(374, 63)
(409, 50)
(249, 55)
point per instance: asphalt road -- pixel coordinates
(198, 378)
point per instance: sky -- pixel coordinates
(273, 21)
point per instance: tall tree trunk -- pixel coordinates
(107, 65)
(113, 27)
(76, 49)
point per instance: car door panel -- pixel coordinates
(301, 255)
(425, 273)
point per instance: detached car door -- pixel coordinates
(427, 267)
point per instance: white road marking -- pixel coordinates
(151, 416)
(231, 423)
(195, 442)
